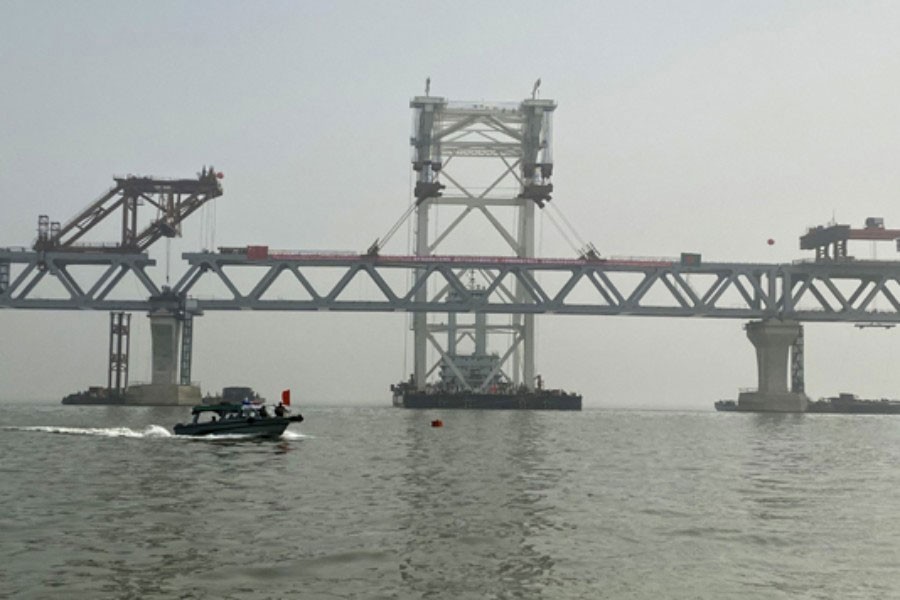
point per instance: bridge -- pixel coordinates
(775, 298)
(852, 291)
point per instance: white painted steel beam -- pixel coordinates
(848, 292)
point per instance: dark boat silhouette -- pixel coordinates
(235, 419)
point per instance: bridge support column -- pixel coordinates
(772, 340)
(164, 389)
(165, 333)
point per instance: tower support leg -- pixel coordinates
(773, 340)
(187, 348)
(526, 250)
(119, 342)
(798, 383)
(420, 319)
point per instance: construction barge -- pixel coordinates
(843, 403)
(406, 396)
(94, 395)
(475, 381)
(161, 395)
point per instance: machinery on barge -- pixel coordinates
(477, 379)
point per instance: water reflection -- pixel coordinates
(133, 535)
(476, 505)
(779, 479)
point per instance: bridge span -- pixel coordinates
(835, 291)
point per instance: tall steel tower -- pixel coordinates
(455, 145)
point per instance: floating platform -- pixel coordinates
(94, 395)
(841, 404)
(538, 400)
(149, 394)
(850, 404)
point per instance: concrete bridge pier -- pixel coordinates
(164, 389)
(773, 339)
(165, 334)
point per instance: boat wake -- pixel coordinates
(151, 431)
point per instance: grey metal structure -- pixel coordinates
(516, 140)
(851, 291)
(798, 380)
(89, 271)
(26, 270)
(803, 291)
(173, 199)
(119, 345)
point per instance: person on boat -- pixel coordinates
(279, 410)
(263, 413)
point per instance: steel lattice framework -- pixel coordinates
(23, 272)
(174, 200)
(514, 141)
(849, 291)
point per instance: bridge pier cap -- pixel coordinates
(772, 340)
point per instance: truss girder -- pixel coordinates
(808, 292)
(800, 291)
(33, 268)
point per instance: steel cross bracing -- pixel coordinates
(799, 291)
(173, 199)
(25, 272)
(813, 291)
(515, 140)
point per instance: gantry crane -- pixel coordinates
(174, 200)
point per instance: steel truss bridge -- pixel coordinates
(839, 291)
(455, 146)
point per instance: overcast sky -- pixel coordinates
(682, 126)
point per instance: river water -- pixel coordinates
(104, 502)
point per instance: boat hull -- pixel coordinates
(523, 401)
(268, 427)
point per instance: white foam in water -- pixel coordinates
(217, 437)
(151, 431)
(157, 431)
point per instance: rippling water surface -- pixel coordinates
(103, 502)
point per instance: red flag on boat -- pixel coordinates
(286, 397)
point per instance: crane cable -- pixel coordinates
(380, 242)
(560, 230)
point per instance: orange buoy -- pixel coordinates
(437, 423)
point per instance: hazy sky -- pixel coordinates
(682, 126)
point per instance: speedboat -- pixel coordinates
(235, 419)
